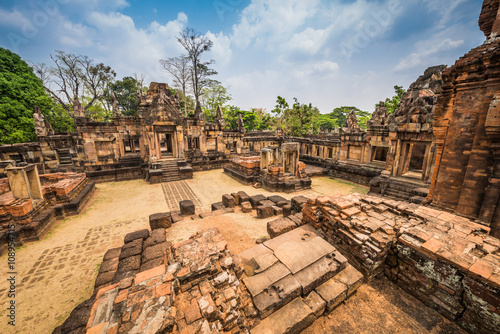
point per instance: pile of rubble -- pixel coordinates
(151, 286)
(447, 261)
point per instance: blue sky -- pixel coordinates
(325, 52)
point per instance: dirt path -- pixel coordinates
(58, 272)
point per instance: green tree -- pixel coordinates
(340, 116)
(231, 114)
(393, 103)
(263, 121)
(20, 91)
(125, 93)
(301, 120)
(280, 109)
(97, 111)
(326, 123)
(211, 97)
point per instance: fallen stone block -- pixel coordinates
(228, 201)
(315, 303)
(265, 202)
(217, 206)
(292, 318)
(287, 210)
(160, 220)
(295, 218)
(351, 278)
(276, 199)
(187, 208)
(280, 226)
(283, 203)
(236, 198)
(298, 203)
(243, 197)
(141, 234)
(206, 214)
(277, 210)
(332, 292)
(277, 295)
(264, 211)
(176, 217)
(254, 200)
(246, 207)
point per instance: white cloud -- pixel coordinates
(267, 22)
(14, 19)
(309, 41)
(221, 49)
(427, 48)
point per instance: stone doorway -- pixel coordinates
(414, 162)
(417, 157)
(379, 153)
(166, 145)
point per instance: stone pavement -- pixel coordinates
(177, 191)
(294, 278)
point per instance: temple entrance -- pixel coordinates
(166, 144)
(413, 159)
(379, 153)
(417, 158)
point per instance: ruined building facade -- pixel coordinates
(440, 147)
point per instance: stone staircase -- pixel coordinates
(64, 157)
(295, 278)
(407, 188)
(170, 169)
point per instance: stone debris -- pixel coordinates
(432, 254)
(194, 289)
(187, 208)
(160, 220)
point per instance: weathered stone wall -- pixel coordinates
(450, 263)
(466, 177)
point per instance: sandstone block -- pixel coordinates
(141, 234)
(276, 199)
(246, 207)
(277, 210)
(287, 210)
(272, 300)
(243, 197)
(160, 220)
(254, 200)
(131, 248)
(157, 236)
(228, 201)
(217, 206)
(315, 303)
(264, 211)
(351, 278)
(187, 208)
(298, 203)
(292, 318)
(265, 202)
(332, 292)
(280, 226)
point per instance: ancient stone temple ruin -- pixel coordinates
(278, 168)
(429, 226)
